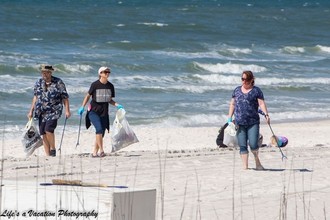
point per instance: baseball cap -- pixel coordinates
(103, 68)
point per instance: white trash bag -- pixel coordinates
(31, 138)
(231, 129)
(122, 135)
(229, 137)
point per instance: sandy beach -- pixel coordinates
(193, 178)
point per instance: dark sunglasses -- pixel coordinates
(106, 72)
(245, 79)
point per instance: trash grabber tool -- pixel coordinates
(79, 131)
(59, 149)
(283, 156)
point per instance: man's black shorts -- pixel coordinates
(47, 126)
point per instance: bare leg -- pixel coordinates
(50, 145)
(46, 144)
(98, 144)
(256, 158)
(245, 160)
(51, 140)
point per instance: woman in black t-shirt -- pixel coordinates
(102, 92)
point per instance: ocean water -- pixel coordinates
(174, 63)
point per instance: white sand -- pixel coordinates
(193, 178)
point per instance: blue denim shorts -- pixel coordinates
(248, 136)
(100, 123)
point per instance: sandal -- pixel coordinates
(94, 156)
(102, 154)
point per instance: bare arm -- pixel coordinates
(263, 107)
(231, 108)
(86, 99)
(82, 108)
(30, 114)
(67, 108)
(112, 102)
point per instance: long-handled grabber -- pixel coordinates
(283, 156)
(79, 131)
(59, 149)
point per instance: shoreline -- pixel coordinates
(18, 128)
(299, 134)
